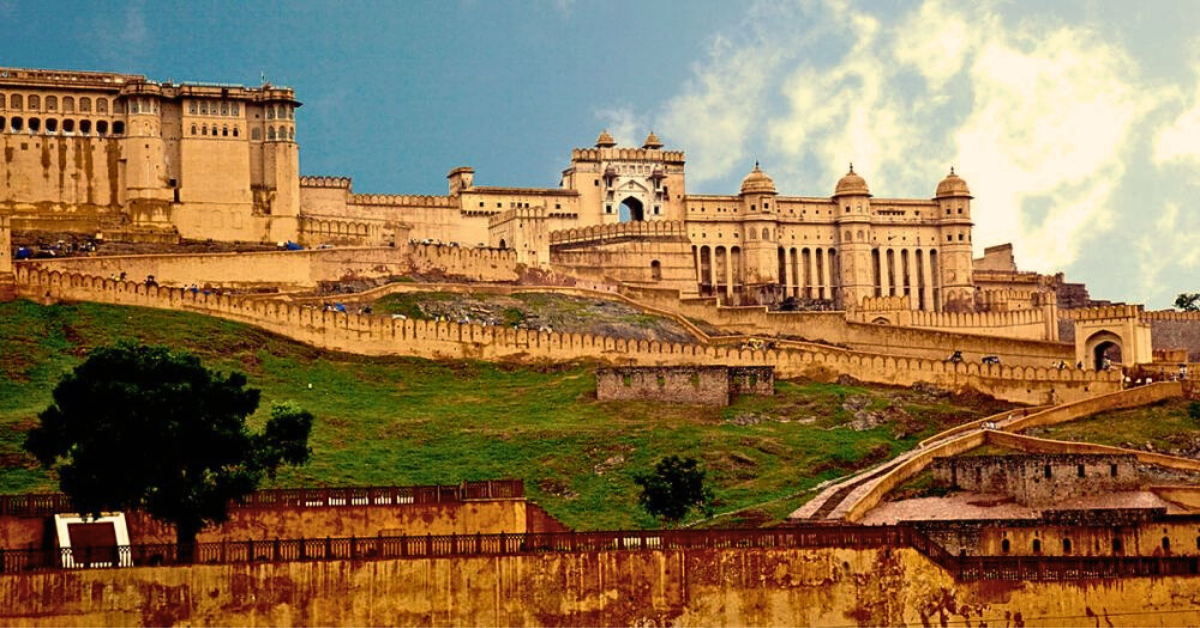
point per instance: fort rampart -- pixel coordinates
(304, 269)
(833, 328)
(374, 335)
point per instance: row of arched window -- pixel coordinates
(51, 126)
(283, 133)
(224, 130)
(281, 112)
(1067, 546)
(206, 108)
(34, 102)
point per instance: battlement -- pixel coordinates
(1170, 315)
(626, 154)
(884, 304)
(27, 76)
(1105, 312)
(325, 182)
(600, 233)
(403, 200)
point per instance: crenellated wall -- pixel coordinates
(375, 335)
(834, 328)
(294, 268)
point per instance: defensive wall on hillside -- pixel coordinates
(303, 269)
(837, 577)
(374, 335)
(1024, 324)
(833, 328)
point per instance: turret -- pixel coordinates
(955, 268)
(852, 202)
(760, 251)
(461, 178)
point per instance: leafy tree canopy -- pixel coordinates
(136, 426)
(674, 487)
(1188, 301)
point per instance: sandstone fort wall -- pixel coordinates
(295, 268)
(833, 328)
(371, 335)
(685, 587)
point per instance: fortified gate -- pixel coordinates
(1114, 332)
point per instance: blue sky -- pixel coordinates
(1076, 123)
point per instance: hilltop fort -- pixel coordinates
(109, 182)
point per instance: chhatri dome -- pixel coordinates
(852, 185)
(605, 140)
(953, 185)
(652, 141)
(757, 182)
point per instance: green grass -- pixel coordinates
(1165, 425)
(409, 421)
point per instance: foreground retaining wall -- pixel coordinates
(687, 587)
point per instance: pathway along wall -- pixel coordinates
(377, 335)
(887, 586)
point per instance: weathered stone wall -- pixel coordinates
(303, 269)
(1182, 332)
(705, 385)
(834, 328)
(1139, 532)
(695, 587)
(1039, 479)
(482, 516)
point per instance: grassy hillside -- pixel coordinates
(410, 421)
(1163, 427)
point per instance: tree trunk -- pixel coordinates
(185, 541)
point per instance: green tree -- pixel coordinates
(674, 487)
(1194, 411)
(1188, 301)
(136, 426)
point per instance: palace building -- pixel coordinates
(136, 159)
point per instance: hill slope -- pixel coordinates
(411, 421)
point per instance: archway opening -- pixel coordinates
(503, 244)
(1106, 354)
(632, 210)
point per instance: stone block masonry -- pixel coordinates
(705, 385)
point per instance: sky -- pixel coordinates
(1076, 123)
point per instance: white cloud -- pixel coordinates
(716, 114)
(1051, 124)
(1180, 140)
(1038, 115)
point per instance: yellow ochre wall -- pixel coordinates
(695, 587)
